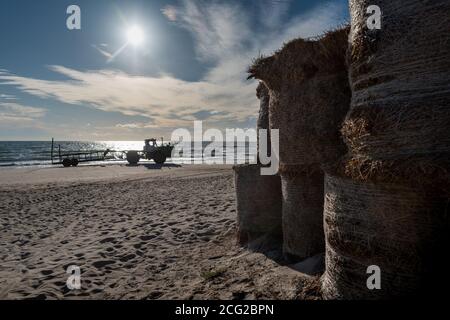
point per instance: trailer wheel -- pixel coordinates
(66, 162)
(159, 157)
(133, 157)
(74, 162)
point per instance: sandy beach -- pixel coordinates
(143, 232)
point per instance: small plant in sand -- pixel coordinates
(213, 273)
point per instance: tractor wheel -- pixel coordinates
(159, 157)
(74, 162)
(67, 163)
(133, 157)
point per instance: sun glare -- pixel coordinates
(135, 36)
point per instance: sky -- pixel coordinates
(93, 84)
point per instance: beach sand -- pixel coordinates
(143, 232)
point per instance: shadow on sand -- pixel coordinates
(155, 166)
(272, 248)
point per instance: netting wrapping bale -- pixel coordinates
(303, 234)
(263, 119)
(258, 204)
(309, 97)
(398, 125)
(398, 228)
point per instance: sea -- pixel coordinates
(38, 153)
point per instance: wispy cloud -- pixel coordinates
(7, 97)
(226, 35)
(14, 113)
(163, 99)
(102, 51)
(170, 12)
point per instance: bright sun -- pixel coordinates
(135, 36)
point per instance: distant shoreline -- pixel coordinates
(38, 153)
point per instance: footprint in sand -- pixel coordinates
(102, 263)
(127, 258)
(105, 240)
(46, 272)
(146, 238)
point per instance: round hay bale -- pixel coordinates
(258, 204)
(309, 97)
(398, 228)
(398, 125)
(303, 234)
(262, 93)
(263, 119)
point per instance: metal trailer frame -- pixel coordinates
(68, 159)
(76, 157)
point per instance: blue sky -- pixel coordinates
(191, 65)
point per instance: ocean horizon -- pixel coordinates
(23, 153)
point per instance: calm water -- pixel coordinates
(37, 153)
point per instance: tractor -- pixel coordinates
(151, 151)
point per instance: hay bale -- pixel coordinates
(258, 204)
(309, 97)
(263, 95)
(302, 190)
(263, 119)
(399, 228)
(398, 125)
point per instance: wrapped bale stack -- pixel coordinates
(258, 197)
(309, 98)
(386, 205)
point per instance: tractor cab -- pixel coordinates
(150, 146)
